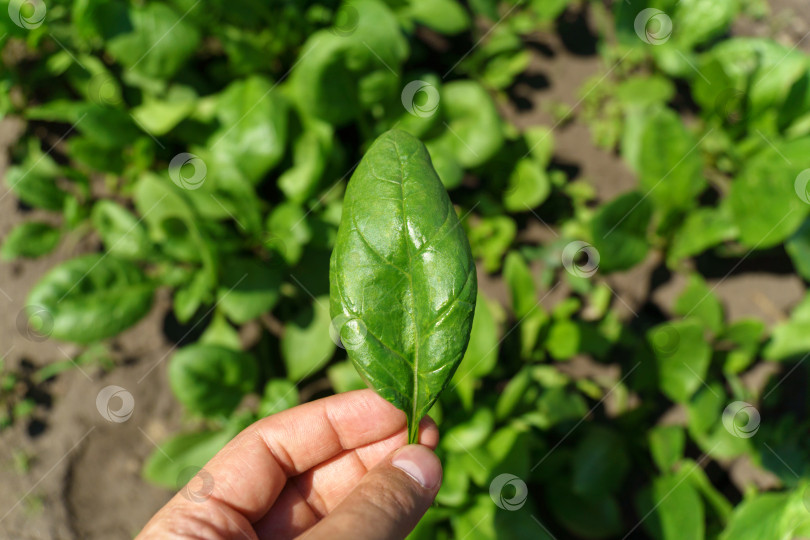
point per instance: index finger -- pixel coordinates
(250, 472)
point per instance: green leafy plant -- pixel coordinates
(405, 300)
(209, 164)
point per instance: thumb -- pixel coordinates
(388, 501)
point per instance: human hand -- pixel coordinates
(331, 469)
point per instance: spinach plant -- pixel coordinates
(402, 277)
(208, 165)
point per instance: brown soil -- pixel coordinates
(84, 475)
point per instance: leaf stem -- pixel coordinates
(413, 430)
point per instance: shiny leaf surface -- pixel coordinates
(403, 282)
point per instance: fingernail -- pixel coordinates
(419, 463)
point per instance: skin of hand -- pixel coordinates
(334, 468)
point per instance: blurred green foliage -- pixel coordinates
(207, 146)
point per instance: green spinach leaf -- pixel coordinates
(159, 41)
(122, 233)
(303, 346)
(90, 298)
(619, 231)
(402, 276)
(248, 288)
(210, 380)
(30, 239)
